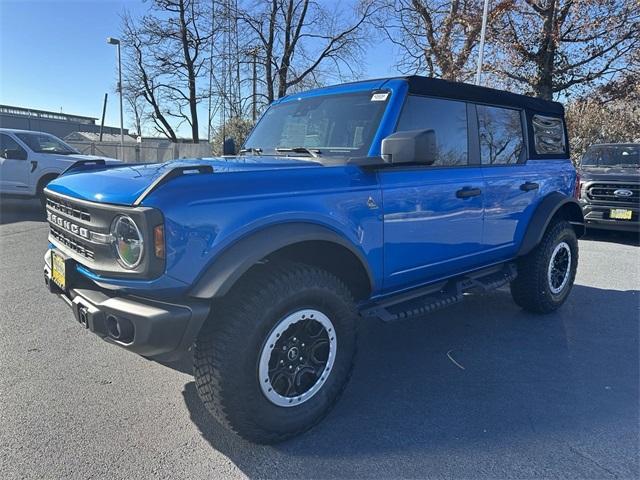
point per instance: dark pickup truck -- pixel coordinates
(610, 186)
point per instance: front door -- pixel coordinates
(14, 167)
(433, 214)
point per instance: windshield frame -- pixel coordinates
(597, 163)
(24, 138)
(320, 153)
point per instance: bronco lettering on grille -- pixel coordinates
(65, 224)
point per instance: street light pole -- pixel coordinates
(115, 41)
(485, 13)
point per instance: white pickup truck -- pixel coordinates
(29, 160)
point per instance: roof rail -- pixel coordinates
(170, 175)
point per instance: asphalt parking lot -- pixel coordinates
(482, 390)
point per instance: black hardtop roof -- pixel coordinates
(436, 87)
(473, 93)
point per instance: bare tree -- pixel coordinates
(166, 60)
(610, 113)
(553, 46)
(136, 105)
(297, 38)
(237, 128)
(437, 37)
(140, 76)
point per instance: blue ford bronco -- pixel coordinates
(379, 199)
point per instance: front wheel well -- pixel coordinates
(44, 180)
(329, 256)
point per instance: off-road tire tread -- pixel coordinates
(220, 340)
(529, 288)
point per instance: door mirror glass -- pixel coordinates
(410, 146)
(229, 147)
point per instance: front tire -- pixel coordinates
(278, 352)
(546, 274)
(42, 183)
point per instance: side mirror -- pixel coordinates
(14, 154)
(229, 147)
(411, 146)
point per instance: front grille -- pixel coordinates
(80, 229)
(605, 192)
(70, 209)
(70, 226)
(66, 239)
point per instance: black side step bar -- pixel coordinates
(170, 175)
(443, 294)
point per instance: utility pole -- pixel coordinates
(254, 93)
(485, 13)
(213, 18)
(104, 111)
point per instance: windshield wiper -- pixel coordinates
(257, 151)
(314, 153)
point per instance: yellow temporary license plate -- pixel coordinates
(58, 274)
(620, 214)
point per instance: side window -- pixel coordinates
(448, 120)
(548, 135)
(500, 131)
(10, 149)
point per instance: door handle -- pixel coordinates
(528, 186)
(468, 192)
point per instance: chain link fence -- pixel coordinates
(141, 153)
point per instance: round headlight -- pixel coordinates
(127, 241)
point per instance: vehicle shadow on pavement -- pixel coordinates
(467, 388)
(612, 236)
(19, 210)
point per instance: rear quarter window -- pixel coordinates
(548, 135)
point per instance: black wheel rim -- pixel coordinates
(297, 357)
(559, 267)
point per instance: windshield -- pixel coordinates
(626, 156)
(45, 143)
(341, 125)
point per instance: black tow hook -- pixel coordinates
(83, 316)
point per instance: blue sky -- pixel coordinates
(54, 55)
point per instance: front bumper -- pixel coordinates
(148, 327)
(597, 216)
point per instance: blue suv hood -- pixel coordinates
(123, 184)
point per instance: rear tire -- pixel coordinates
(546, 274)
(253, 370)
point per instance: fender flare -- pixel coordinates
(238, 258)
(548, 207)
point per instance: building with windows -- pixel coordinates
(58, 124)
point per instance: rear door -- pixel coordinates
(511, 185)
(14, 167)
(433, 214)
